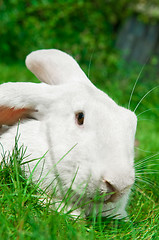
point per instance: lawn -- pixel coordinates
(24, 216)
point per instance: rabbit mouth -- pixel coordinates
(113, 197)
(112, 193)
(107, 197)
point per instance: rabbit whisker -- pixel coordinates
(140, 149)
(146, 111)
(139, 173)
(146, 159)
(138, 77)
(139, 165)
(145, 119)
(144, 97)
(90, 61)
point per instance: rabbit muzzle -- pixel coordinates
(115, 191)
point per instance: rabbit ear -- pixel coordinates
(21, 100)
(55, 67)
(9, 116)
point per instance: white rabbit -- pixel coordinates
(68, 111)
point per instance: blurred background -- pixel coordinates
(115, 43)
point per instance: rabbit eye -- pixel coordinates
(80, 118)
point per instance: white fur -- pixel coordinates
(103, 146)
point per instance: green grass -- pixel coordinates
(22, 212)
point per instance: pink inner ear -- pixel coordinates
(9, 116)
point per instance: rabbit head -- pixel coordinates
(66, 112)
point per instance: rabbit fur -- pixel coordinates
(102, 155)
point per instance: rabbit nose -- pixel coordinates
(110, 190)
(110, 187)
(114, 192)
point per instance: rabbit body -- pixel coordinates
(102, 146)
